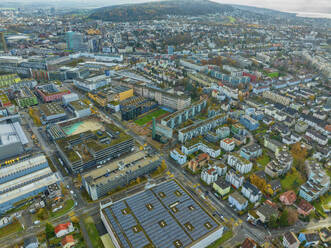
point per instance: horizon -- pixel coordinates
(292, 6)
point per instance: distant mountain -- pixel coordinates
(158, 10)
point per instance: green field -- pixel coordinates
(226, 236)
(11, 228)
(93, 232)
(148, 117)
(231, 19)
(68, 205)
(263, 160)
(292, 180)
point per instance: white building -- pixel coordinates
(66, 99)
(228, 144)
(251, 192)
(177, 155)
(241, 164)
(234, 178)
(209, 175)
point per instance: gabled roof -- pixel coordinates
(61, 227)
(67, 239)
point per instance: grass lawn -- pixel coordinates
(226, 236)
(292, 180)
(264, 159)
(68, 205)
(231, 19)
(93, 232)
(148, 117)
(11, 228)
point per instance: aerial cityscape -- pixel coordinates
(165, 124)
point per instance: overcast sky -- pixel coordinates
(323, 6)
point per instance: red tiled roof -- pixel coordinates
(305, 206)
(61, 227)
(248, 243)
(67, 239)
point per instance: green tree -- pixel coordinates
(273, 221)
(283, 220)
(49, 230)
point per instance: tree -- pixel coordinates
(283, 220)
(49, 230)
(74, 219)
(64, 190)
(163, 165)
(138, 180)
(299, 152)
(292, 216)
(273, 221)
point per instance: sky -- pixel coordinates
(322, 6)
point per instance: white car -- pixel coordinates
(36, 222)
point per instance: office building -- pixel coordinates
(23, 179)
(51, 92)
(74, 41)
(92, 83)
(25, 98)
(162, 216)
(99, 182)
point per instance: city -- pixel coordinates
(179, 123)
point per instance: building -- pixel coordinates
(79, 108)
(311, 238)
(222, 187)
(52, 112)
(50, 92)
(171, 50)
(305, 208)
(12, 137)
(31, 242)
(92, 83)
(276, 98)
(4, 100)
(198, 144)
(201, 127)
(68, 241)
(280, 166)
(177, 155)
(318, 181)
(89, 149)
(134, 106)
(26, 98)
(234, 178)
(227, 144)
(198, 162)
(30, 175)
(317, 137)
(249, 243)
(272, 144)
(250, 123)
(74, 41)
(100, 181)
(162, 216)
(251, 151)
(238, 201)
(265, 212)
(63, 229)
(239, 163)
(325, 234)
(288, 197)
(290, 240)
(223, 132)
(209, 175)
(9, 80)
(251, 192)
(3, 45)
(66, 99)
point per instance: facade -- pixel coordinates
(209, 175)
(238, 201)
(162, 216)
(31, 242)
(251, 151)
(265, 212)
(311, 239)
(52, 112)
(201, 127)
(134, 106)
(290, 240)
(288, 197)
(239, 163)
(177, 155)
(198, 144)
(280, 166)
(222, 187)
(305, 208)
(26, 98)
(251, 192)
(99, 182)
(198, 162)
(250, 123)
(318, 182)
(234, 178)
(223, 132)
(66, 99)
(89, 149)
(276, 98)
(92, 83)
(74, 41)
(272, 144)
(30, 176)
(50, 92)
(79, 108)
(228, 144)
(317, 137)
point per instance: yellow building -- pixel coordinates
(222, 187)
(123, 95)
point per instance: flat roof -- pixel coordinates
(162, 216)
(52, 108)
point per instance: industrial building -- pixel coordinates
(79, 108)
(92, 83)
(12, 137)
(99, 182)
(50, 92)
(162, 216)
(23, 179)
(51, 112)
(89, 149)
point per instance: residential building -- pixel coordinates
(234, 178)
(199, 144)
(288, 197)
(249, 243)
(317, 137)
(280, 166)
(26, 98)
(310, 238)
(177, 155)
(276, 98)
(301, 127)
(290, 240)
(227, 144)
(63, 229)
(251, 151)
(198, 162)
(325, 234)
(250, 123)
(31, 242)
(238, 201)
(68, 241)
(222, 187)
(239, 163)
(209, 175)
(162, 216)
(318, 181)
(251, 192)
(272, 144)
(265, 212)
(305, 208)
(30, 176)
(223, 132)
(100, 181)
